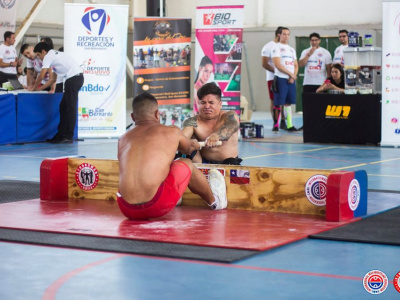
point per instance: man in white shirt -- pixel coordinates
(344, 41)
(65, 66)
(268, 65)
(286, 68)
(317, 62)
(8, 58)
(34, 67)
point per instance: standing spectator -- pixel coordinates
(60, 81)
(317, 62)
(34, 67)
(65, 66)
(8, 58)
(268, 65)
(344, 41)
(286, 68)
(156, 56)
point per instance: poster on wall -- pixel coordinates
(8, 15)
(96, 37)
(161, 53)
(391, 74)
(219, 32)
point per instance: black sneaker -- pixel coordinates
(292, 129)
(275, 129)
(283, 125)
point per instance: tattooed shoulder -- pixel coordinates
(190, 122)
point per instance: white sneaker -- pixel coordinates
(218, 187)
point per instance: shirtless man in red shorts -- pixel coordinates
(150, 181)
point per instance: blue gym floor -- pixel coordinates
(308, 269)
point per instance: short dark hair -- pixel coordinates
(41, 46)
(344, 31)
(23, 48)
(48, 41)
(209, 88)
(144, 103)
(314, 34)
(278, 30)
(8, 34)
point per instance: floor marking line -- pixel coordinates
(280, 153)
(51, 291)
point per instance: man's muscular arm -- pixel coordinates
(189, 125)
(229, 127)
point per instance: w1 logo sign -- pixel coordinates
(95, 20)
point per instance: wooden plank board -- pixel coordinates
(108, 179)
(269, 189)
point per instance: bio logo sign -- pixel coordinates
(95, 20)
(218, 19)
(353, 195)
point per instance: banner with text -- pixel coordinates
(96, 37)
(219, 31)
(8, 13)
(391, 74)
(161, 51)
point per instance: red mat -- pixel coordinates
(238, 229)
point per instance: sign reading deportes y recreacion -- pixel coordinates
(96, 37)
(219, 31)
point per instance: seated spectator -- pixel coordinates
(21, 77)
(335, 82)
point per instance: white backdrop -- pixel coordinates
(96, 37)
(8, 16)
(391, 74)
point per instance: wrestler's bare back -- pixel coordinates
(145, 154)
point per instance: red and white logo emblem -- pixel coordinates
(315, 190)
(208, 19)
(375, 282)
(396, 281)
(353, 195)
(87, 176)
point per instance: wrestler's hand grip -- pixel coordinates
(202, 144)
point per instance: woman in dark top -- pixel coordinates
(335, 82)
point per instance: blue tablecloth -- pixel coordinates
(29, 117)
(8, 119)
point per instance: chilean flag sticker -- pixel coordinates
(240, 176)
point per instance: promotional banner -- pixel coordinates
(96, 37)
(219, 31)
(391, 74)
(161, 51)
(8, 15)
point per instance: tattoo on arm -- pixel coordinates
(190, 122)
(230, 126)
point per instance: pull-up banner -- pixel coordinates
(390, 73)
(219, 31)
(96, 37)
(8, 15)
(161, 51)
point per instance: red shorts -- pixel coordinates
(168, 194)
(271, 93)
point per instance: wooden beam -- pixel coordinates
(26, 23)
